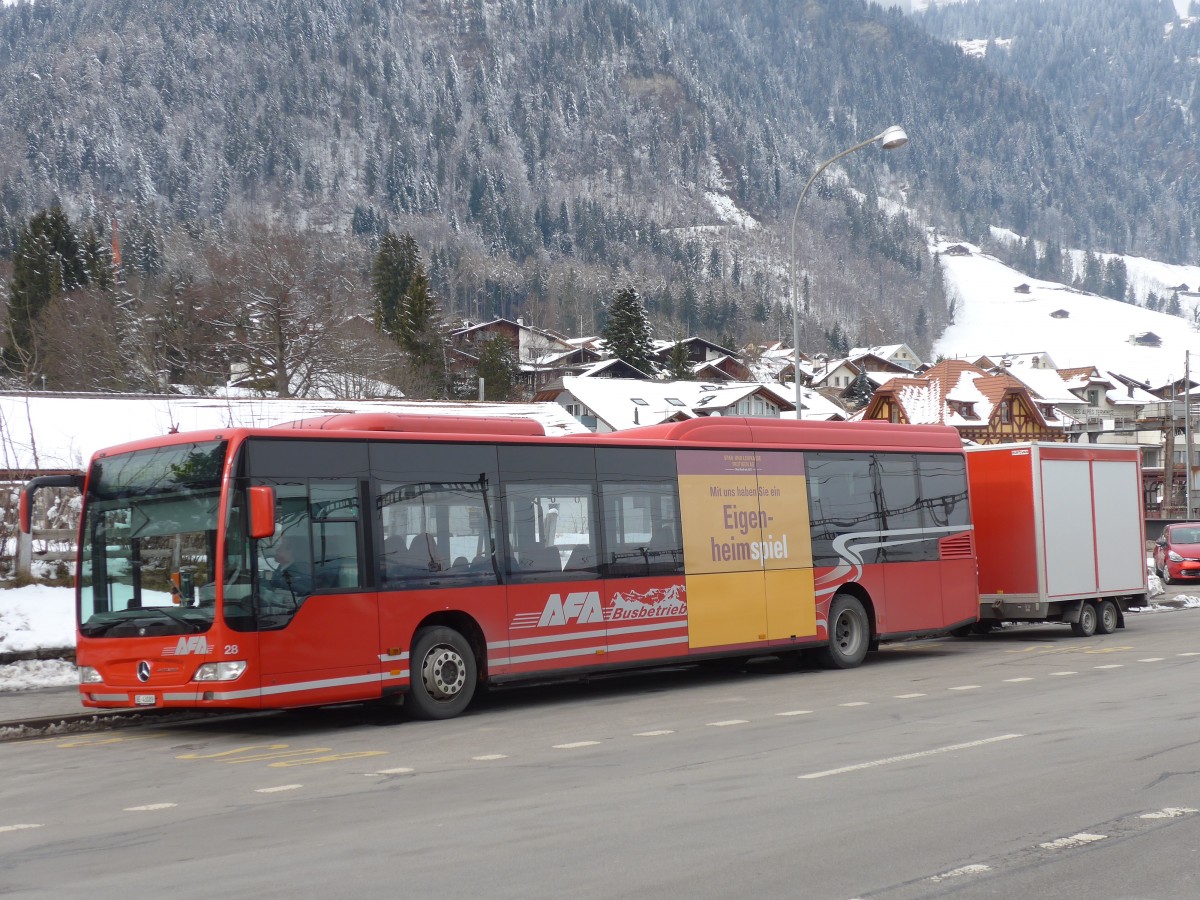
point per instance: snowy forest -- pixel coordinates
(254, 163)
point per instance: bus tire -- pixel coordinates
(1086, 626)
(849, 633)
(443, 674)
(1107, 618)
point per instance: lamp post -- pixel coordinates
(890, 138)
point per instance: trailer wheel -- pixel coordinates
(444, 674)
(1086, 626)
(1107, 618)
(849, 633)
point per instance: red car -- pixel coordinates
(1177, 553)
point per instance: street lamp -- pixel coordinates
(889, 139)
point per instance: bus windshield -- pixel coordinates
(150, 542)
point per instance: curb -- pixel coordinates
(67, 653)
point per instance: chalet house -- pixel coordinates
(540, 353)
(1060, 314)
(957, 250)
(1146, 339)
(986, 409)
(1022, 289)
(899, 355)
(614, 404)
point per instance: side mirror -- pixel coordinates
(262, 511)
(25, 505)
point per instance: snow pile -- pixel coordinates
(36, 617)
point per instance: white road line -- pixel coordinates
(907, 756)
(402, 770)
(658, 733)
(964, 687)
(1152, 659)
(488, 757)
(278, 788)
(1017, 680)
(729, 722)
(909, 696)
(150, 807)
(1064, 673)
(855, 703)
(1075, 840)
(795, 712)
(576, 744)
(1111, 666)
(1194, 653)
(977, 869)
(17, 827)
(1170, 812)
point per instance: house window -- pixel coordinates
(894, 414)
(1093, 396)
(1152, 459)
(640, 402)
(1006, 411)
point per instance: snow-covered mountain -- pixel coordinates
(998, 310)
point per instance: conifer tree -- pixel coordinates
(499, 368)
(679, 367)
(627, 331)
(405, 309)
(47, 262)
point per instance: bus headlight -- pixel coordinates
(220, 671)
(88, 675)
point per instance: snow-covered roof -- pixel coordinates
(626, 402)
(44, 431)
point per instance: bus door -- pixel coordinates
(317, 620)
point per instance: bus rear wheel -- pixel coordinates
(849, 633)
(444, 674)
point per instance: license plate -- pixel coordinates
(144, 699)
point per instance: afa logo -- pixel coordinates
(197, 644)
(581, 607)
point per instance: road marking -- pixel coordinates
(658, 733)
(1170, 812)
(855, 703)
(329, 757)
(1064, 673)
(795, 712)
(728, 722)
(976, 869)
(488, 757)
(282, 787)
(1110, 666)
(1152, 659)
(150, 807)
(907, 756)
(964, 687)
(575, 745)
(1017, 680)
(17, 827)
(1188, 654)
(909, 696)
(399, 770)
(1075, 840)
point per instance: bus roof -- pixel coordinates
(711, 431)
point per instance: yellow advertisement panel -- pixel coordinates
(745, 519)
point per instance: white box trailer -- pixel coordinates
(1059, 533)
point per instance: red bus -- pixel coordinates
(366, 556)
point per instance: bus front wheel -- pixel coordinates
(444, 674)
(849, 633)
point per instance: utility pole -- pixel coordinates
(1187, 431)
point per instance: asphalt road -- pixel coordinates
(1026, 763)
